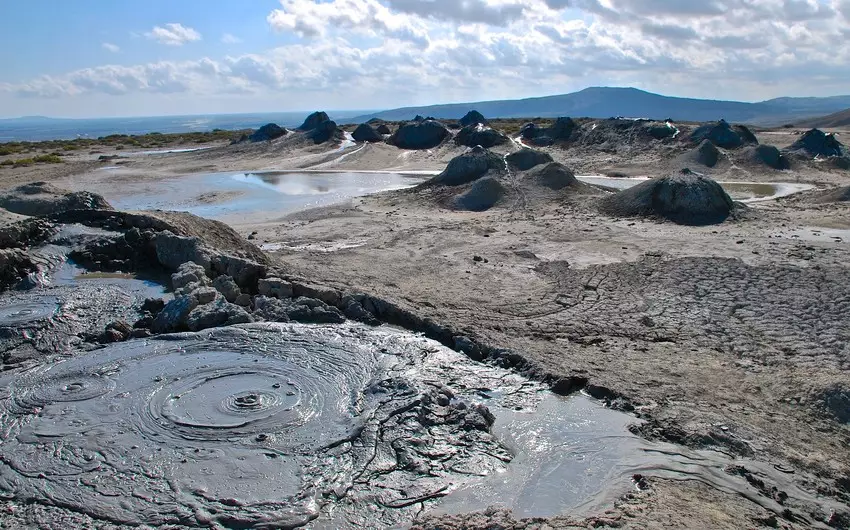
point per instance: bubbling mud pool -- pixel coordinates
(284, 425)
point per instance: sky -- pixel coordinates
(91, 58)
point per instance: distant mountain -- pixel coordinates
(839, 119)
(604, 102)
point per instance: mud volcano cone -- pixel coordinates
(685, 198)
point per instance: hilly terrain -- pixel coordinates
(838, 119)
(605, 102)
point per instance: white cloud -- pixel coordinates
(227, 38)
(379, 53)
(173, 34)
(110, 47)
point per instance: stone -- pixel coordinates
(243, 300)
(205, 295)
(227, 287)
(174, 315)
(173, 251)
(275, 287)
(217, 314)
(189, 273)
(245, 273)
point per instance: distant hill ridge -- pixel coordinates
(605, 102)
(838, 119)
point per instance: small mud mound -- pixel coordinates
(746, 134)
(554, 176)
(424, 134)
(686, 198)
(829, 196)
(706, 154)
(267, 132)
(723, 135)
(618, 134)
(478, 134)
(314, 120)
(384, 129)
(767, 155)
(483, 195)
(324, 132)
(816, 143)
(41, 199)
(468, 167)
(473, 117)
(365, 133)
(841, 162)
(526, 158)
(561, 130)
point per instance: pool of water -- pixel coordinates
(747, 192)
(263, 195)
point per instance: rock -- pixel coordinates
(365, 133)
(111, 336)
(205, 295)
(425, 134)
(686, 198)
(267, 133)
(554, 176)
(153, 305)
(304, 310)
(473, 117)
(40, 199)
(815, 143)
(275, 287)
(383, 129)
(217, 314)
(324, 132)
(244, 272)
(469, 167)
(189, 273)
(768, 155)
(320, 292)
(15, 265)
(477, 134)
(314, 120)
(243, 300)
(26, 233)
(174, 315)
(173, 251)
(117, 331)
(484, 194)
(720, 134)
(227, 287)
(526, 158)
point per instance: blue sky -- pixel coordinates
(117, 58)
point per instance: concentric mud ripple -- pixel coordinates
(21, 314)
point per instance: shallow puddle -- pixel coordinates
(262, 195)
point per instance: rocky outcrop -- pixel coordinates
(723, 135)
(134, 250)
(304, 310)
(424, 134)
(473, 117)
(313, 121)
(40, 199)
(686, 198)
(526, 158)
(267, 133)
(468, 167)
(814, 143)
(485, 193)
(365, 133)
(215, 314)
(173, 251)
